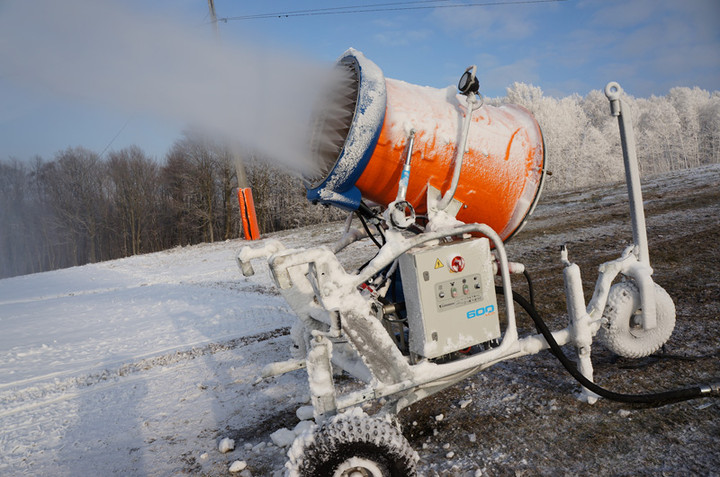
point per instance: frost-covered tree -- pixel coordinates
(576, 151)
(659, 136)
(688, 103)
(582, 140)
(709, 115)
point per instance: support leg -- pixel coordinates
(579, 323)
(322, 388)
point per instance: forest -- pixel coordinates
(82, 207)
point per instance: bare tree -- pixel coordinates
(74, 183)
(16, 247)
(134, 191)
(228, 184)
(200, 181)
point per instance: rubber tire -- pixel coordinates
(620, 337)
(347, 437)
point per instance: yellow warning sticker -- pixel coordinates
(438, 264)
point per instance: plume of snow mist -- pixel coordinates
(103, 53)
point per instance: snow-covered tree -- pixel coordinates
(688, 103)
(709, 115)
(659, 136)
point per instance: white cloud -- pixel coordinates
(391, 37)
(648, 44)
(614, 14)
(496, 22)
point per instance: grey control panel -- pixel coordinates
(449, 296)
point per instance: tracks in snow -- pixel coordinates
(43, 390)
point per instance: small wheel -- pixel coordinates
(623, 332)
(353, 445)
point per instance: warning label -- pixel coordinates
(438, 264)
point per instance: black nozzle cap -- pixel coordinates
(469, 83)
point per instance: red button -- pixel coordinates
(457, 264)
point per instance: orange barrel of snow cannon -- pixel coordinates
(360, 144)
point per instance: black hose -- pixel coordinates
(367, 230)
(649, 398)
(365, 211)
(531, 293)
(382, 234)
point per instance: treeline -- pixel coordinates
(80, 207)
(676, 131)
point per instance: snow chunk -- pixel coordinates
(226, 445)
(303, 426)
(304, 413)
(283, 437)
(238, 466)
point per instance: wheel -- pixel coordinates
(623, 333)
(353, 445)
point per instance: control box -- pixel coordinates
(449, 296)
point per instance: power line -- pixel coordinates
(330, 10)
(115, 137)
(380, 7)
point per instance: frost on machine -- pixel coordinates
(444, 180)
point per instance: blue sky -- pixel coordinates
(565, 47)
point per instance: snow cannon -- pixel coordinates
(421, 149)
(435, 303)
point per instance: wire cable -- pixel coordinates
(379, 7)
(115, 137)
(367, 229)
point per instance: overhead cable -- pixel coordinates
(380, 7)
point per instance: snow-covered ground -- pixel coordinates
(137, 366)
(141, 366)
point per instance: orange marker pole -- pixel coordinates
(247, 213)
(252, 232)
(243, 216)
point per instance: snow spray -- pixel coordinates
(103, 53)
(362, 129)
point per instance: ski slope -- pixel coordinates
(136, 366)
